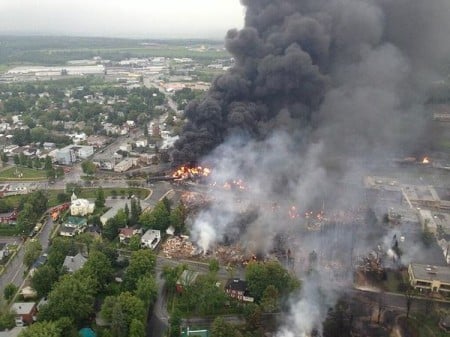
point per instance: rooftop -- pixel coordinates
(430, 273)
(74, 263)
(236, 285)
(23, 308)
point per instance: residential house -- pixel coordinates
(430, 278)
(186, 279)
(151, 238)
(25, 313)
(74, 263)
(73, 226)
(237, 288)
(125, 234)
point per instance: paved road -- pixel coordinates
(15, 272)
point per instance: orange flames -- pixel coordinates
(426, 160)
(186, 172)
(237, 184)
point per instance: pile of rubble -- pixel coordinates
(178, 247)
(229, 254)
(194, 199)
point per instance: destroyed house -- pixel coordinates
(236, 288)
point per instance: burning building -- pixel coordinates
(316, 85)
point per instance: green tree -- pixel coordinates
(3, 157)
(260, 275)
(62, 197)
(135, 243)
(147, 290)
(42, 329)
(7, 318)
(175, 323)
(9, 291)
(98, 267)
(72, 297)
(134, 212)
(158, 218)
(111, 229)
(121, 311)
(252, 315)
(213, 266)
(137, 328)
(142, 262)
(37, 163)
(171, 276)
(60, 248)
(32, 252)
(127, 211)
(100, 201)
(43, 280)
(220, 328)
(16, 159)
(88, 167)
(48, 165)
(178, 217)
(269, 300)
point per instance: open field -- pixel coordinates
(21, 173)
(59, 50)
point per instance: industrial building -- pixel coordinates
(429, 278)
(125, 165)
(70, 154)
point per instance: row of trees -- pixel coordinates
(31, 208)
(161, 217)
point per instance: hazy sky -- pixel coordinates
(122, 18)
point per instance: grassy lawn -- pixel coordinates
(21, 173)
(86, 193)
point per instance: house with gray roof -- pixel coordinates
(74, 263)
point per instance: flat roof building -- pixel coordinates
(428, 277)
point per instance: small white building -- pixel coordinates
(151, 238)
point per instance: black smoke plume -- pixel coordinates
(358, 67)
